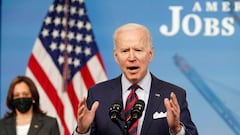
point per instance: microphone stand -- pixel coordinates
(125, 128)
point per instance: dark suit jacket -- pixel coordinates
(40, 125)
(109, 91)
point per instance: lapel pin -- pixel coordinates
(157, 95)
(36, 126)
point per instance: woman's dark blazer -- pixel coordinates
(40, 125)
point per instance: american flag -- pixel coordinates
(65, 61)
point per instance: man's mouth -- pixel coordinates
(133, 68)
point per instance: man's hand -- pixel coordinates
(85, 116)
(173, 113)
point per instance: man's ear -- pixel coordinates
(151, 52)
(116, 56)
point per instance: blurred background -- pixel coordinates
(214, 58)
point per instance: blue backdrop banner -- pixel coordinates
(197, 46)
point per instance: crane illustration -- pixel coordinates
(225, 113)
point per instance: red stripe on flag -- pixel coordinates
(87, 77)
(101, 61)
(73, 98)
(49, 89)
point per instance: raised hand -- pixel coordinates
(85, 116)
(173, 113)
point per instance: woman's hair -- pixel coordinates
(33, 90)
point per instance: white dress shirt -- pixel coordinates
(143, 94)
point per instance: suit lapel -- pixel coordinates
(116, 89)
(155, 98)
(116, 92)
(36, 125)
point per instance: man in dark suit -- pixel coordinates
(166, 110)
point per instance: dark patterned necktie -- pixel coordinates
(131, 100)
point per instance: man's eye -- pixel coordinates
(124, 50)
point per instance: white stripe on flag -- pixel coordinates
(96, 69)
(79, 86)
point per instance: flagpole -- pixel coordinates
(65, 64)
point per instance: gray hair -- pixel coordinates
(132, 26)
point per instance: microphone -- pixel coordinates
(115, 111)
(136, 111)
(115, 114)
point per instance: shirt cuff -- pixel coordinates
(76, 133)
(181, 132)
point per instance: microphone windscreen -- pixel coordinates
(115, 110)
(137, 109)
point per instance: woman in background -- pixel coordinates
(25, 116)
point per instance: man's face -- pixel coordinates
(133, 54)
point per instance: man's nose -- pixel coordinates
(132, 55)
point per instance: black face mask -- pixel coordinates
(22, 104)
